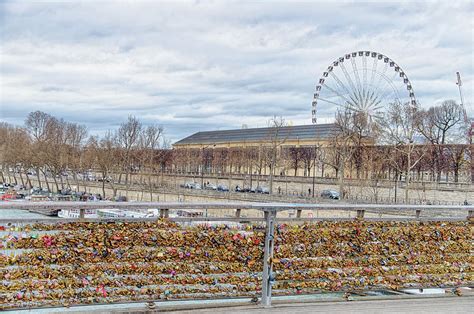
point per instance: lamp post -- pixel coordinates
(396, 184)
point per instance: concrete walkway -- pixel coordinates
(451, 305)
(426, 305)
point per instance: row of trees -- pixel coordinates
(405, 139)
(405, 142)
(437, 135)
(61, 150)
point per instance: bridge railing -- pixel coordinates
(76, 261)
(164, 207)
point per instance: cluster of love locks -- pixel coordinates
(90, 262)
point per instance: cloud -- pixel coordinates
(194, 66)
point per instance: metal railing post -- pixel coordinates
(164, 213)
(267, 274)
(418, 213)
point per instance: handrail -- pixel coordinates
(435, 211)
(218, 219)
(220, 205)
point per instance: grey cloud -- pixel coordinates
(197, 66)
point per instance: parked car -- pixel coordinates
(65, 192)
(8, 196)
(330, 194)
(39, 191)
(19, 187)
(106, 179)
(121, 199)
(262, 190)
(189, 185)
(239, 189)
(210, 186)
(222, 188)
(192, 185)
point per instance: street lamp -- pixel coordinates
(396, 184)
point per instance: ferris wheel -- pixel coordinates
(361, 82)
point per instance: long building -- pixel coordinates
(249, 151)
(298, 135)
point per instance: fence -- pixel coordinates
(50, 262)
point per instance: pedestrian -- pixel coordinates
(309, 192)
(279, 190)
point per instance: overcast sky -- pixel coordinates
(208, 65)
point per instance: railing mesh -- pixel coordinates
(104, 262)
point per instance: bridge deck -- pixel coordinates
(444, 304)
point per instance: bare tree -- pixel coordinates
(309, 156)
(149, 143)
(401, 124)
(3, 148)
(54, 148)
(258, 160)
(376, 158)
(277, 137)
(15, 146)
(40, 126)
(294, 157)
(105, 155)
(37, 125)
(75, 137)
(127, 138)
(352, 131)
(441, 125)
(458, 156)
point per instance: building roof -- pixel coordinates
(297, 132)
